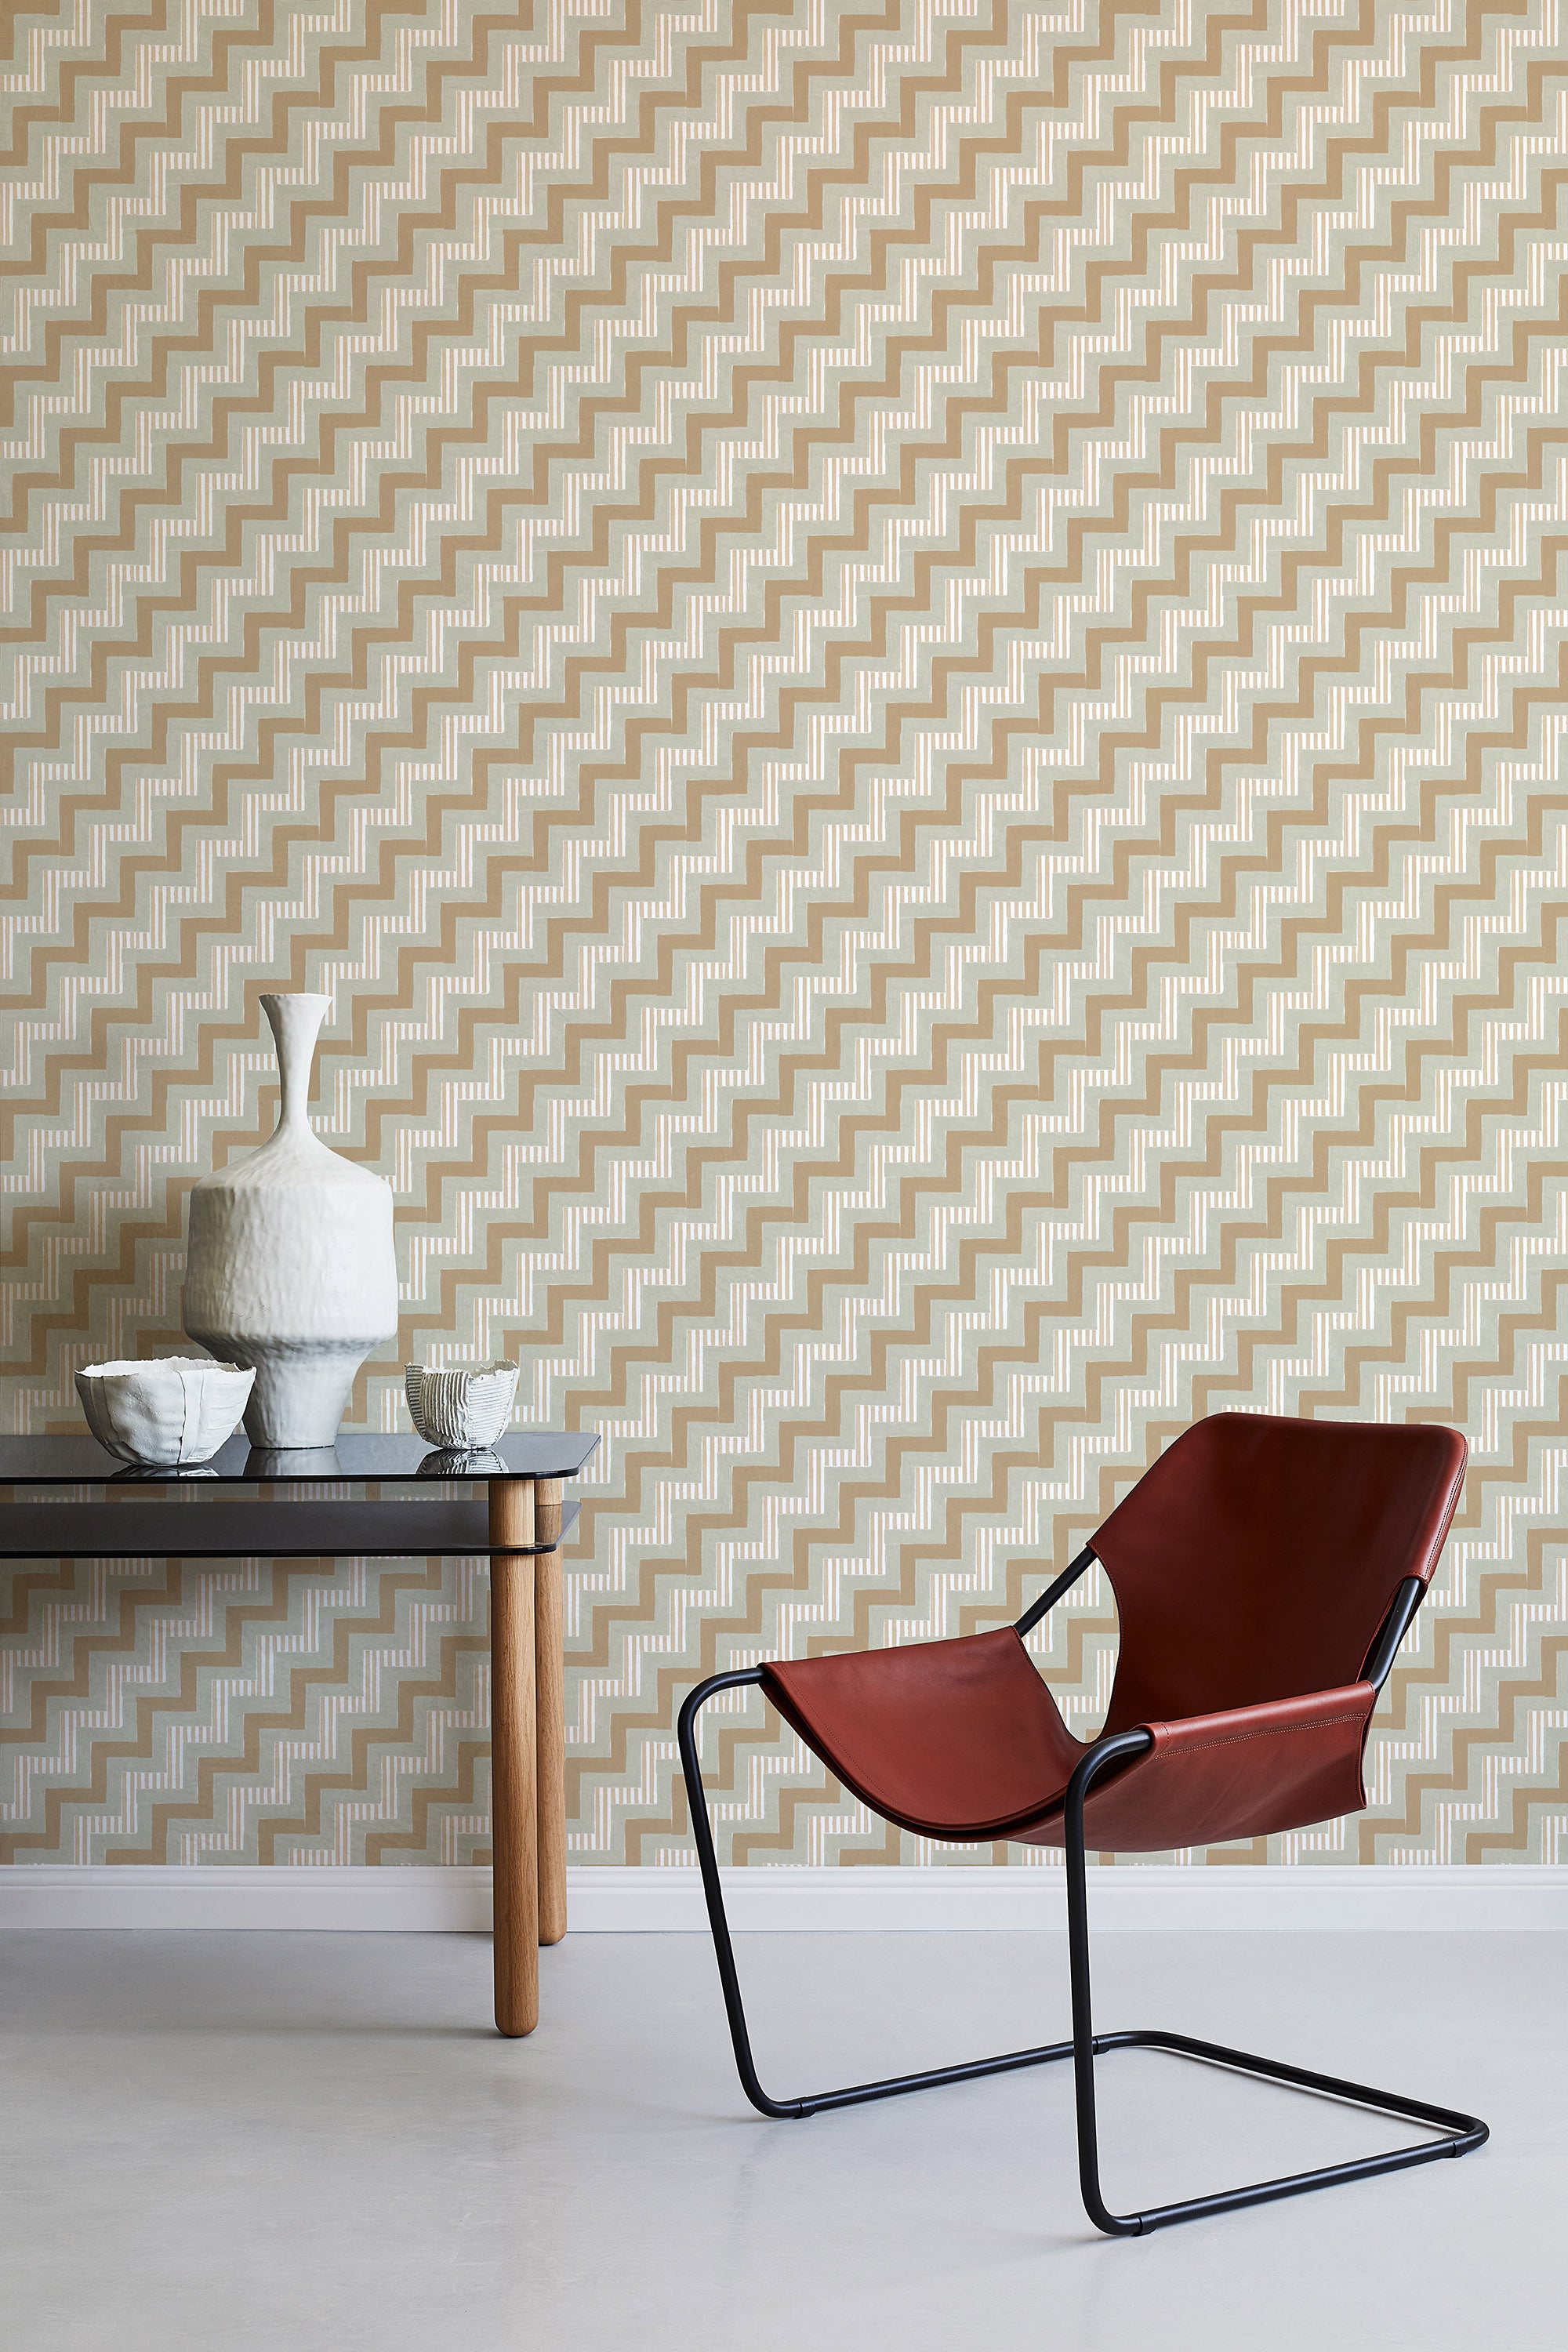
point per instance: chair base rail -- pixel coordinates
(1460, 2132)
(1457, 2134)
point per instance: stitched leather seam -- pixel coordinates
(1265, 1731)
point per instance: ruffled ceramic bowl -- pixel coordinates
(463, 1409)
(174, 1409)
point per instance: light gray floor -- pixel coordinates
(229, 2142)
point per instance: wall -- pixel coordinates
(904, 667)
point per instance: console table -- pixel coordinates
(302, 1504)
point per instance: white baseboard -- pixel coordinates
(1149, 1895)
(152, 1895)
(618, 1901)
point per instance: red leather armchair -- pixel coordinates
(1264, 1572)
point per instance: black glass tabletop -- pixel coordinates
(81, 1461)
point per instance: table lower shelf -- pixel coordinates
(226, 1529)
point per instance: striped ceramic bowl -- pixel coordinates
(468, 1406)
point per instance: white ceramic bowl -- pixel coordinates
(174, 1409)
(465, 1408)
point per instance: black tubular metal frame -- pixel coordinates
(1460, 2132)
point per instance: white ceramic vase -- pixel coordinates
(289, 1265)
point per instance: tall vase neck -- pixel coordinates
(295, 1022)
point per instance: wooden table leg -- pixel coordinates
(514, 1759)
(550, 1635)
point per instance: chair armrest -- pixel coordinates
(1248, 1772)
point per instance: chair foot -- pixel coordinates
(1459, 2134)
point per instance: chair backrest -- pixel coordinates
(1258, 1557)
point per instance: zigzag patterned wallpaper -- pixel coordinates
(905, 667)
